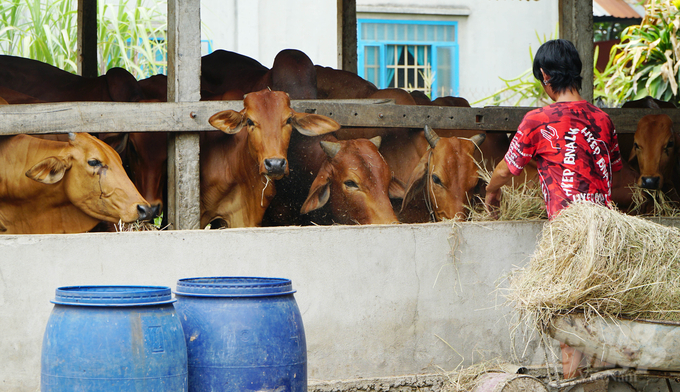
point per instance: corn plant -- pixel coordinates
(647, 60)
(129, 36)
(40, 31)
(134, 40)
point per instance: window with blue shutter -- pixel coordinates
(413, 55)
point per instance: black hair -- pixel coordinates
(559, 59)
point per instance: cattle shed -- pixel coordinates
(378, 302)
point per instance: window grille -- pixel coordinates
(413, 55)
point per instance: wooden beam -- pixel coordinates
(87, 38)
(188, 117)
(347, 35)
(576, 25)
(184, 68)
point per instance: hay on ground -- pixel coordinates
(604, 263)
(468, 378)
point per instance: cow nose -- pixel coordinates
(156, 210)
(650, 182)
(275, 166)
(146, 213)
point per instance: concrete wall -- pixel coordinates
(376, 301)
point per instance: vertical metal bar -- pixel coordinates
(87, 38)
(184, 65)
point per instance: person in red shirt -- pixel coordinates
(573, 143)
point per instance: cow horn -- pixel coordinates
(431, 136)
(478, 139)
(71, 136)
(376, 141)
(330, 148)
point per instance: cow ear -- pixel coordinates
(397, 189)
(416, 182)
(314, 124)
(49, 171)
(319, 193)
(227, 121)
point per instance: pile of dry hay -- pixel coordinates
(523, 201)
(604, 263)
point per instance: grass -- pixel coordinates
(131, 36)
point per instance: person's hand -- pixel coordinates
(492, 202)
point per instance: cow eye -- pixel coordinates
(437, 180)
(289, 121)
(670, 144)
(351, 184)
(94, 162)
(249, 122)
(635, 145)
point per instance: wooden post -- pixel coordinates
(347, 35)
(576, 25)
(87, 38)
(184, 67)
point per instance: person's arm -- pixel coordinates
(501, 176)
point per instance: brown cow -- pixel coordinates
(225, 76)
(237, 169)
(64, 187)
(441, 184)
(654, 150)
(338, 84)
(355, 182)
(404, 150)
(51, 84)
(292, 72)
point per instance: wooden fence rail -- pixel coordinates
(103, 117)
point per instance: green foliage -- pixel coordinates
(130, 35)
(605, 31)
(646, 61)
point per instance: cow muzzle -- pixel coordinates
(275, 167)
(145, 212)
(650, 182)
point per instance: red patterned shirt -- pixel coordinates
(576, 149)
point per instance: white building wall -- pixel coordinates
(494, 36)
(262, 28)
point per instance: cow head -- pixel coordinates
(269, 121)
(655, 151)
(446, 174)
(356, 182)
(122, 86)
(94, 180)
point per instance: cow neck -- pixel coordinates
(243, 199)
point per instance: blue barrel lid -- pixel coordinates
(113, 295)
(234, 286)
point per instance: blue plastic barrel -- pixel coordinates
(113, 338)
(242, 334)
